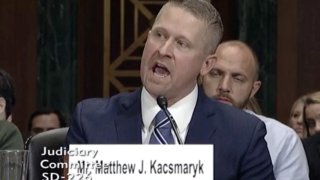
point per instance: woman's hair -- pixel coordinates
(7, 91)
(296, 103)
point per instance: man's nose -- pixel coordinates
(166, 48)
(224, 85)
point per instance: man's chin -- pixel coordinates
(155, 89)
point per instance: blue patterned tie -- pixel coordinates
(162, 131)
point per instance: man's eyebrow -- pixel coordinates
(238, 74)
(214, 69)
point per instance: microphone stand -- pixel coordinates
(162, 102)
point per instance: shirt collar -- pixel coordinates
(181, 111)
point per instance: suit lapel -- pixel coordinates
(129, 120)
(202, 125)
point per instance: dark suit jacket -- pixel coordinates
(240, 151)
(312, 148)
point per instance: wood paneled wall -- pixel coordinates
(90, 49)
(18, 48)
(298, 52)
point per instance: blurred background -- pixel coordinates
(62, 51)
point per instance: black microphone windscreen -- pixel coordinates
(162, 101)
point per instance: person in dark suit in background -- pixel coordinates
(311, 114)
(177, 50)
(311, 117)
(10, 136)
(312, 148)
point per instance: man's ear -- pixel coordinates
(256, 86)
(2, 107)
(208, 65)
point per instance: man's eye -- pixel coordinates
(37, 130)
(158, 34)
(214, 73)
(182, 44)
(239, 78)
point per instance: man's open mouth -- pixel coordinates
(160, 70)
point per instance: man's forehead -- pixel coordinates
(181, 23)
(175, 13)
(315, 107)
(225, 51)
(228, 67)
(234, 58)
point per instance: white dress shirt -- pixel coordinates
(181, 111)
(286, 150)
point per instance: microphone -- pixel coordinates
(162, 102)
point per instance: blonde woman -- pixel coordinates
(312, 119)
(296, 118)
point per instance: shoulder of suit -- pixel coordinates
(118, 99)
(315, 139)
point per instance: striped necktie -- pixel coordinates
(162, 131)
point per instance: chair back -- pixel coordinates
(45, 160)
